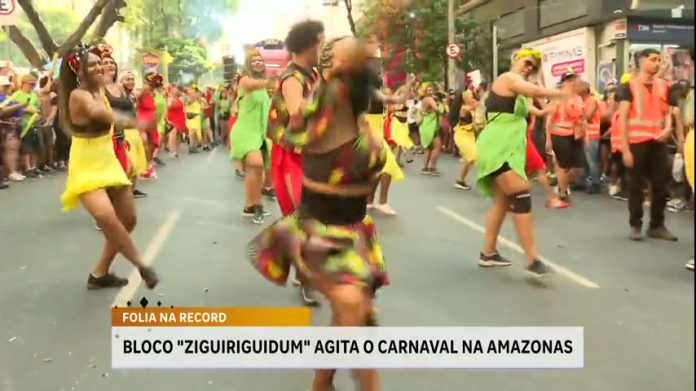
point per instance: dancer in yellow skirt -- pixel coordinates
(391, 170)
(194, 110)
(465, 138)
(95, 176)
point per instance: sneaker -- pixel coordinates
(138, 194)
(538, 269)
(259, 216)
(690, 265)
(268, 192)
(16, 177)
(149, 277)
(248, 211)
(309, 296)
(621, 196)
(614, 190)
(425, 171)
(636, 234)
(370, 206)
(661, 233)
(435, 172)
(31, 174)
(296, 281)
(493, 260)
(105, 281)
(158, 162)
(557, 204)
(4, 185)
(461, 185)
(385, 209)
(593, 189)
(44, 168)
(240, 173)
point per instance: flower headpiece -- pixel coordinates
(154, 79)
(77, 54)
(326, 57)
(528, 52)
(106, 50)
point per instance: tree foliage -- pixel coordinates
(420, 32)
(188, 57)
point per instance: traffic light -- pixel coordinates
(230, 67)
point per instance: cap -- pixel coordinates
(5, 81)
(28, 79)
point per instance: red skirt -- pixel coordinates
(534, 160)
(120, 148)
(286, 171)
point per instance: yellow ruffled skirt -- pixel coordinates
(136, 152)
(391, 166)
(194, 126)
(93, 166)
(689, 158)
(400, 134)
(465, 140)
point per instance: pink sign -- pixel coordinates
(578, 66)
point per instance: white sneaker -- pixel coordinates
(690, 265)
(16, 177)
(386, 209)
(370, 206)
(614, 190)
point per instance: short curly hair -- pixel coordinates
(303, 35)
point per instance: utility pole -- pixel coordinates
(451, 62)
(495, 50)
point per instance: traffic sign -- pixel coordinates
(8, 13)
(454, 50)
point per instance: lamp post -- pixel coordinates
(451, 62)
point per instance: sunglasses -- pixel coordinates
(531, 64)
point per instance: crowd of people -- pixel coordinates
(324, 136)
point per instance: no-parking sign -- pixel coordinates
(8, 12)
(453, 50)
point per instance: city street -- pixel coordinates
(635, 300)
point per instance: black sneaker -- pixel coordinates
(621, 196)
(662, 233)
(158, 162)
(259, 216)
(309, 296)
(538, 269)
(149, 277)
(248, 211)
(461, 185)
(493, 260)
(31, 174)
(434, 172)
(269, 192)
(636, 234)
(4, 185)
(139, 194)
(45, 168)
(105, 281)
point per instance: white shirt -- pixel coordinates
(413, 108)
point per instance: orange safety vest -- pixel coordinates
(567, 116)
(593, 123)
(615, 133)
(648, 110)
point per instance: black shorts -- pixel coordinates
(570, 153)
(413, 128)
(32, 142)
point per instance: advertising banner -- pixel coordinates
(151, 63)
(573, 49)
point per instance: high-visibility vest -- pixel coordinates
(593, 122)
(648, 110)
(615, 133)
(562, 123)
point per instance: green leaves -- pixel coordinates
(188, 57)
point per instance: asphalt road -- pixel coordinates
(635, 300)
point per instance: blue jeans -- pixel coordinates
(592, 157)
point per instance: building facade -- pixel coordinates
(596, 38)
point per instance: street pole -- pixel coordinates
(495, 51)
(451, 62)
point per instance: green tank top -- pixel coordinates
(253, 110)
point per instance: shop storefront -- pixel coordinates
(570, 50)
(672, 39)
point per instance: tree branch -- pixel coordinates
(110, 16)
(25, 45)
(44, 36)
(349, 10)
(87, 22)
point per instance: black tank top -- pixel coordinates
(122, 104)
(500, 104)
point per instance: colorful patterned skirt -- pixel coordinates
(347, 254)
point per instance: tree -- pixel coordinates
(349, 11)
(107, 9)
(421, 33)
(188, 57)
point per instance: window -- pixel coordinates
(556, 11)
(511, 25)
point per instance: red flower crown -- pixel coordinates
(80, 51)
(154, 79)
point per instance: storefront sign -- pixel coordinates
(565, 51)
(620, 27)
(8, 12)
(661, 32)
